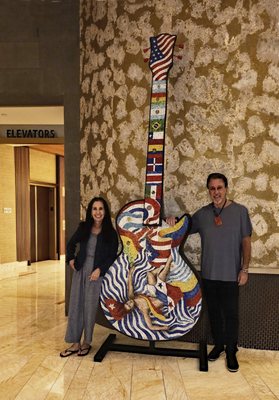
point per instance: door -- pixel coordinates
(43, 223)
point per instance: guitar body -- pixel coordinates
(173, 304)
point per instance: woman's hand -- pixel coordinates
(95, 274)
(72, 264)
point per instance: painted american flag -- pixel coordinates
(161, 56)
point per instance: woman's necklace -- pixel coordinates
(217, 218)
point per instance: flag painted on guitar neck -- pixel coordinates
(161, 58)
(161, 55)
(155, 148)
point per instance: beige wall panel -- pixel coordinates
(42, 167)
(7, 203)
(222, 107)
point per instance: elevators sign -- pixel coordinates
(33, 132)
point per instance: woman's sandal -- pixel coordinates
(68, 352)
(83, 352)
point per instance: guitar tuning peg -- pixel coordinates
(178, 57)
(146, 59)
(146, 49)
(180, 46)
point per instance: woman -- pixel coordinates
(98, 244)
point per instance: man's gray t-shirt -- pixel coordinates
(221, 245)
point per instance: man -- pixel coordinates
(225, 230)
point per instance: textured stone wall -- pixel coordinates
(223, 106)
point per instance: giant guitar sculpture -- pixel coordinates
(151, 292)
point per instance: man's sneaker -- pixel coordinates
(232, 363)
(215, 353)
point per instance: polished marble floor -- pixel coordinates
(32, 326)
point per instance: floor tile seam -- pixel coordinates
(182, 379)
(75, 374)
(252, 386)
(164, 384)
(131, 379)
(30, 376)
(266, 384)
(71, 379)
(59, 376)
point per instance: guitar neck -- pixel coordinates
(155, 147)
(161, 59)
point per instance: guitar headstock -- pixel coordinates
(161, 55)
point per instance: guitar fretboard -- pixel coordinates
(161, 59)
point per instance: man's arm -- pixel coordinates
(246, 257)
(246, 252)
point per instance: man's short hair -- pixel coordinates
(217, 175)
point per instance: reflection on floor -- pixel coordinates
(32, 326)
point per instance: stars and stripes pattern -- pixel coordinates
(156, 242)
(158, 250)
(161, 56)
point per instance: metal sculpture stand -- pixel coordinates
(108, 345)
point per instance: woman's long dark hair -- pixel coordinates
(107, 227)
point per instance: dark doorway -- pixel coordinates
(43, 223)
